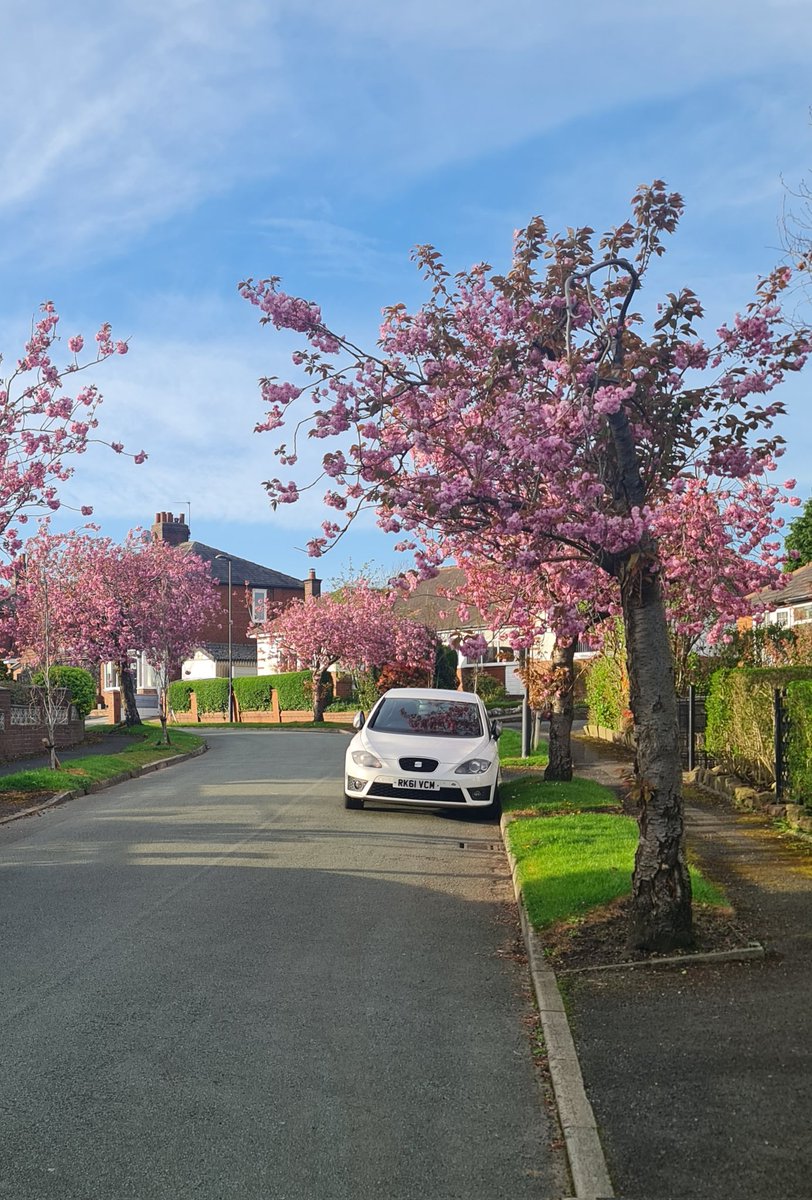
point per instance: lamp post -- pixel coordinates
(230, 659)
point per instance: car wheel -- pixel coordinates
(494, 810)
(353, 801)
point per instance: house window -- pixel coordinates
(802, 615)
(259, 605)
(110, 676)
(782, 617)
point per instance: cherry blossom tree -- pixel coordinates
(43, 426)
(84, 599)
(537, 417)
(356, 626)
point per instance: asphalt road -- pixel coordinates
(217, 983)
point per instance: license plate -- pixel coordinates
(419, 785)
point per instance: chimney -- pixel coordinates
(312, 586)
(168, 528)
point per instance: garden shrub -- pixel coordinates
(254, 692)
(607, 692)
(179, 695)
(799, 757)
(294, 689)
(80, 684)
(487, 688)
(445, 667)
(211, 694)
(739, 729)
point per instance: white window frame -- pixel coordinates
(259, 605)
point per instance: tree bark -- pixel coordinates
(131, 716)
(318, 697)
(162, 711)
(661, 884)
(559, 765)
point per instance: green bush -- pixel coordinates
(739, 731)
(295, 689)
(445, 667)
(607, 692)
(799, 758)
(212, 695)
(487, 688)
(80, 684)
(253, 692)
(179, 695)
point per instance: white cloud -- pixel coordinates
(115, 119)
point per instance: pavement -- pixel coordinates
(111, 744)
(700, 1076)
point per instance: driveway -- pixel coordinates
(219, 983)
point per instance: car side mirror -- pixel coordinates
(496, 730)
(358, 720)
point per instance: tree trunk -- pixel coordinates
(162, 716)
(559, 765)
(318, 697)
(661, 885)
(131, 716)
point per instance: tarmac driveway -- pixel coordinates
(218, 983)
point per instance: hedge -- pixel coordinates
(607, 692)
(254, 692)
(739, 731)
(179, 695)
(293, 688)
(80, 684)
(212, 695)
(799, 758)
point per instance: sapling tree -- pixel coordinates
(536, 417)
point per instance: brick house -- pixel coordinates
(788, 607)
(428, 605)
(254, 588)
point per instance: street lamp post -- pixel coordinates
(230, 658)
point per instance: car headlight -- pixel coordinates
(362, 758)
(474, 766)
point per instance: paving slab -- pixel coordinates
(700, 1076)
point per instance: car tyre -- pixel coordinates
(494, 810)
(353, 801)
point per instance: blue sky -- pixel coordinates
(155, 153)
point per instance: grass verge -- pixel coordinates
(24, 786)
(531, 794)
(572, 859)
(510, 753)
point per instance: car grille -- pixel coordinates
(443, 795)
(418, 764)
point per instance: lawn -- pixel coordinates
(530, 793)
(510, 752)
(577, 859)
(82, 772)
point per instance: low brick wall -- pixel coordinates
(22, 741)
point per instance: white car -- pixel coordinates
(425, 746)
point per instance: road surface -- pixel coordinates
(218, 983)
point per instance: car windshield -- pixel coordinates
(432, 718)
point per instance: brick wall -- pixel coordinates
(19, 741)
(217, 629)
